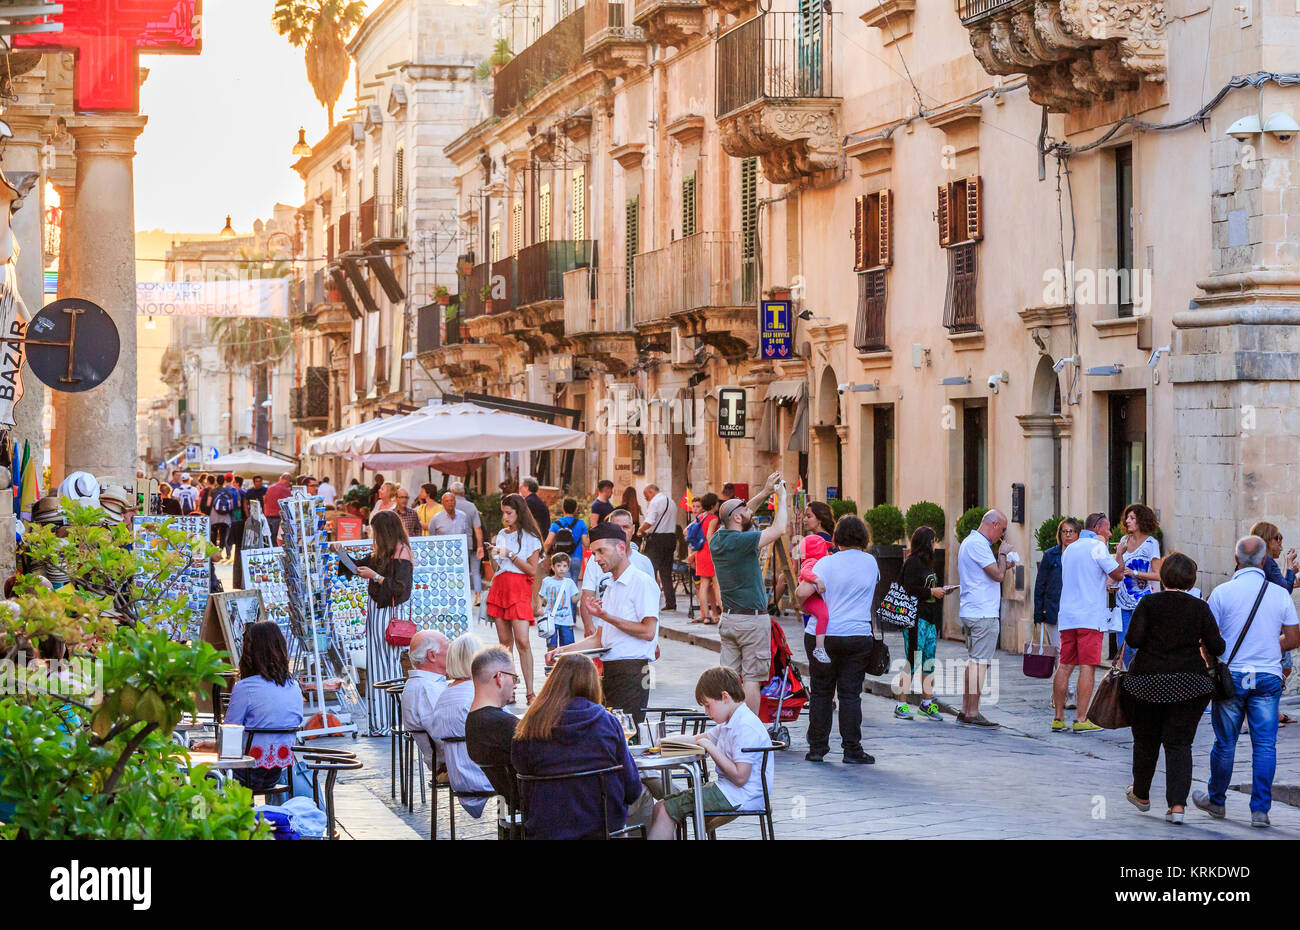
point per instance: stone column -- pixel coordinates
(100, 424)
(59, 399)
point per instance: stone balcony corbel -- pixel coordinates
(892, 17)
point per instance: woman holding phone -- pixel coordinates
(921, 581)
(516, 553)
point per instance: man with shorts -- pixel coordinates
(746, 627)
(981, 574)
(1085, 566)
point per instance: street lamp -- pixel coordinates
(301, 148)
(228, 231)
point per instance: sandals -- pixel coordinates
(1175, 817)
(1283, 720)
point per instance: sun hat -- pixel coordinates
(82, 487)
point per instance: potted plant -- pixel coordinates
(485, 293)
(500, 56)
(441, 295)
(464, 267)
(927, 513)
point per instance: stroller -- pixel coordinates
(784, 695)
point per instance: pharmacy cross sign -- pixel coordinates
(107, 36)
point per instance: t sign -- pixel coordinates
(731, 413)
(107, 37)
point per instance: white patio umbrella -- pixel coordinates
(463, 431)
(339, 443)
(250, 461)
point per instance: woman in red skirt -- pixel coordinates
(515, 552)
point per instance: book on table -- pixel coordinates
(678, 745)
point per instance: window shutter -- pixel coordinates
(494, 244)
(374, 179)
(945, 231)
(399, 179)
(631, 238)
(689, 226)
(884, 239)
(544, 214)
(859, 233)
(748, 206)
(974, 222)
(579, 205)
(516, 228)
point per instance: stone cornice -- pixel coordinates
(892, 17)
(629, 155)
(1056, 315)
(1045, 425)
(106, 135)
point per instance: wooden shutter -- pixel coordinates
(945, 230)
(516, 228)
(689, 215)
(494, 243)
(974, 223)
(859, 233)
(885, 228)
(544, 214)
(399, 179)
(579, 204)
(374, 179)
(631, 238)
(748, 206)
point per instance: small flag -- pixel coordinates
(31, 483)
(687, 500)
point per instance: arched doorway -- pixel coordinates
(827, 440)
(1046, 428)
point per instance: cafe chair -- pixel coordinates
(393, 689)
(599, 774)
(284, 782)
(715, 819)
(330, 762)
(452, 794)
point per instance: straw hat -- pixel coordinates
(47, 510)
(116, 502)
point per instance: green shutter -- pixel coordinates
(399, 179)
(690, 225)
(631, 243)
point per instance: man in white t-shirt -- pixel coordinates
(980, 573)
(326, 492)
(1256, 676)
(1085, 567)
(593, 574)
(659, 532)
(625, 609)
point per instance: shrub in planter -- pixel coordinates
(840, 508)
(925, 513)
(886, 522)
(1045, 535)
(969, 522)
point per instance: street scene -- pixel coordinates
(652, 420)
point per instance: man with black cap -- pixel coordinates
(746, 627)
(625, 609)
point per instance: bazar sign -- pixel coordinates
(262, 297)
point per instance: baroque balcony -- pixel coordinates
(775, 94)
(1073, 52)
(669, 22)
(701, 286)
(613, 45)
(553, 55)
(309, 403)
(598, 317)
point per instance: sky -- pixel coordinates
(222, 123)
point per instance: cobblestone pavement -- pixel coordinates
(931, 779)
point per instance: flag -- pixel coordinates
(687, 500)
(31, 482)
(16, 471)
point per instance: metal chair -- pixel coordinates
(331, 763)
(452, 794)
(393, 688)
(284, 783)
(765, 825)
(599, 775)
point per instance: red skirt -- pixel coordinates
(511, 597)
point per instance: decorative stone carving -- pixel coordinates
(793, 139)
(670, 22)
(1073, 52)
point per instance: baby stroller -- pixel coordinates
(784, 695)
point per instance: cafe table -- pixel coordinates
(689, 763)
(213, 760)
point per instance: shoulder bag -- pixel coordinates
(877, 653)
(1221, 672)
(1107, 709)
(1040, 657)
(897, 608)
(399, 631)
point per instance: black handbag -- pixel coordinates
(877, 653)
(1221, 673)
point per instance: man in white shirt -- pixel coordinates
(1255, 660)
(980, 573)
(476, 544)
(325, 491)
(1086, 564)
(660, 534)
(625, 609)
(593, 575)
(425, 685)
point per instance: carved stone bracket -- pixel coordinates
(794, 140)
(670, 22)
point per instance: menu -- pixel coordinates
(193, 583)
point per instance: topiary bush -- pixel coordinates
(1045, 535)
(969, 522)
(840, 508)
(925, 513)
(886, 522)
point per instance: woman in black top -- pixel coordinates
(389, 569)
(920, 580)
(1168, 686)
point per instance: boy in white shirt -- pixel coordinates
(559, 599)
(739, 786)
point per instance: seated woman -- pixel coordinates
(567, 730)
(266, 695)
(448, 719)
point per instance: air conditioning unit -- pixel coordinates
(683, 348)
(537, 384)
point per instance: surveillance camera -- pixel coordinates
(1281, 127)
(1154, 360)
(843, 386)
(1062, 362)
(1000, 377)
(993, 384)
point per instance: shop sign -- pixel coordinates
(776, 328)
(731, 413)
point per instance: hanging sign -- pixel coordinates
(13, 325)
(73, 345)
(776, 329)
(254, 297)
(731, 412)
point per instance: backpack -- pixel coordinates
(564, 541)
(224, 502)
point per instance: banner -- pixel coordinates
(13, 323)
(258, 297)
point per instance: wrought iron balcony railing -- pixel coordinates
(775, 56)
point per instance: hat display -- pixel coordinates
(47, 510)
(115, 501)
(82, 487)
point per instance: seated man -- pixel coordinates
(425, 685)
(488, 728)
(739, 786)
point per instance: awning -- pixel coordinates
(250, 461)
(783, 394)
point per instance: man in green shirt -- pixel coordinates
(746, 627)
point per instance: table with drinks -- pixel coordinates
(649, 759)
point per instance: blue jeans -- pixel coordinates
(563, 636)
(1258, 704)
(1127, 653)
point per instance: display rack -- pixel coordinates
(194, 580)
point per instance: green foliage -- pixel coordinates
(1045, 535)
(501, 53)
(489, 511)
(925, 513)
(840, 508)
(969, 522)
(886, 522)
(297, 19)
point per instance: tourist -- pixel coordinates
(1273, 536)
(1167, 687)
(625, 611)
(980, 574)
(236, 535)
(515, 552)
(452, 519)
(426, 505)
(694, 544)
(220, 508)
(710, 595)
(425, 684)
(632, 506)
(476, 544)
(1085, 567)
(536, 506)
(1047, 591)
(167, 504)
(1258, 622)
(593, 576)
(813, 550)
(739, 785)
(1139, 552)
(385, 500)
(258, 491)
(601, 507)
(559, 596)
(265, 696)
(186, 496)
(325, 491)
(746, 627)
(406, 513)
(489, 730)
(271, 505)
(374, 491)
(659, 535)
(449, 717)
(207, 488)
(388, 569)
(920, 579)
(567, 730)
(847, 580)
(568, 535)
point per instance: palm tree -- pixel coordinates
(252, 343)
(323, 27)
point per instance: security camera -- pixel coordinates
(1000, 378)
(843, 386)
(1062, 362)
(1154, 360)
(1281, 127)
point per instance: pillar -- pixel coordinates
(100, 434)
(59, 399)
